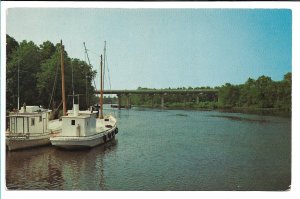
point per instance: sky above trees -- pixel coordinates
(160, 48)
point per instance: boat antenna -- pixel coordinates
(86, 90)
(72, 81)
(63, 79)
(101, 90)
(18, 84)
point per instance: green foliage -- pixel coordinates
(11, 46)
(40, 73)
(27, 58)
(260, 93)
(228, 95)
(47, 50)
(107, 100)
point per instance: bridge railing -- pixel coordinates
(158, 91)
(127, 93)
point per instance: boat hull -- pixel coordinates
(84, 141)
(18, 142)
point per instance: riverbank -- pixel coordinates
(209, 106)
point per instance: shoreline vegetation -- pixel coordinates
(247, 110)
(36, 68)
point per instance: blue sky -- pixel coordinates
(160, 48)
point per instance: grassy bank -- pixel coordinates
(215, 106)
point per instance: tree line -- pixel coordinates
(37, 68)
(260, 93)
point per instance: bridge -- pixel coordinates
(161, 92)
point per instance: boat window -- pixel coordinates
(72, 122)
(40, 118)
(32, 121)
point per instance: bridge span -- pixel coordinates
(161, 92)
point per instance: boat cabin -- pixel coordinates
(78, 123)
(30, 119)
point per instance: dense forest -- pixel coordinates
(39, 77)
(38, 68)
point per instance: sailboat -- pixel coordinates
(83, 129)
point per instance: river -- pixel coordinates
(166, 150)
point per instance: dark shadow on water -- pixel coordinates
(237, 118)
(180, 115)
(44, 168)
(259, 111)
(111, 145)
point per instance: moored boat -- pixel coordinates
(81, 129)
(27, 128)
(84, 130)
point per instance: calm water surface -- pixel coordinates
(166, 150)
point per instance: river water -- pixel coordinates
(166, 150)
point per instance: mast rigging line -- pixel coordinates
(106, 63)
(87, 55)
(54, 85)
(108, 71)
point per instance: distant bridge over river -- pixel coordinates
(196, 93)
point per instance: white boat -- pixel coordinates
(82, 129)
(27, 128)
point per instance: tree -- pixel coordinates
(248, 93)
(48, 80)
(47, 50)
(228, 95)
(284, 90)
(266, 92)
(11, 46)
(27, 59)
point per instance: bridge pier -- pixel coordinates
(197, 99)
(119, 101)
(162, 100)
(152, 100)
(216, 98)
(127, 101)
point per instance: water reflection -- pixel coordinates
(54, 168)
(238, 118)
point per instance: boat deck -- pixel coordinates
(55, 125)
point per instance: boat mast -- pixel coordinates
(104, 57)
(101, 91)
(63, 79)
